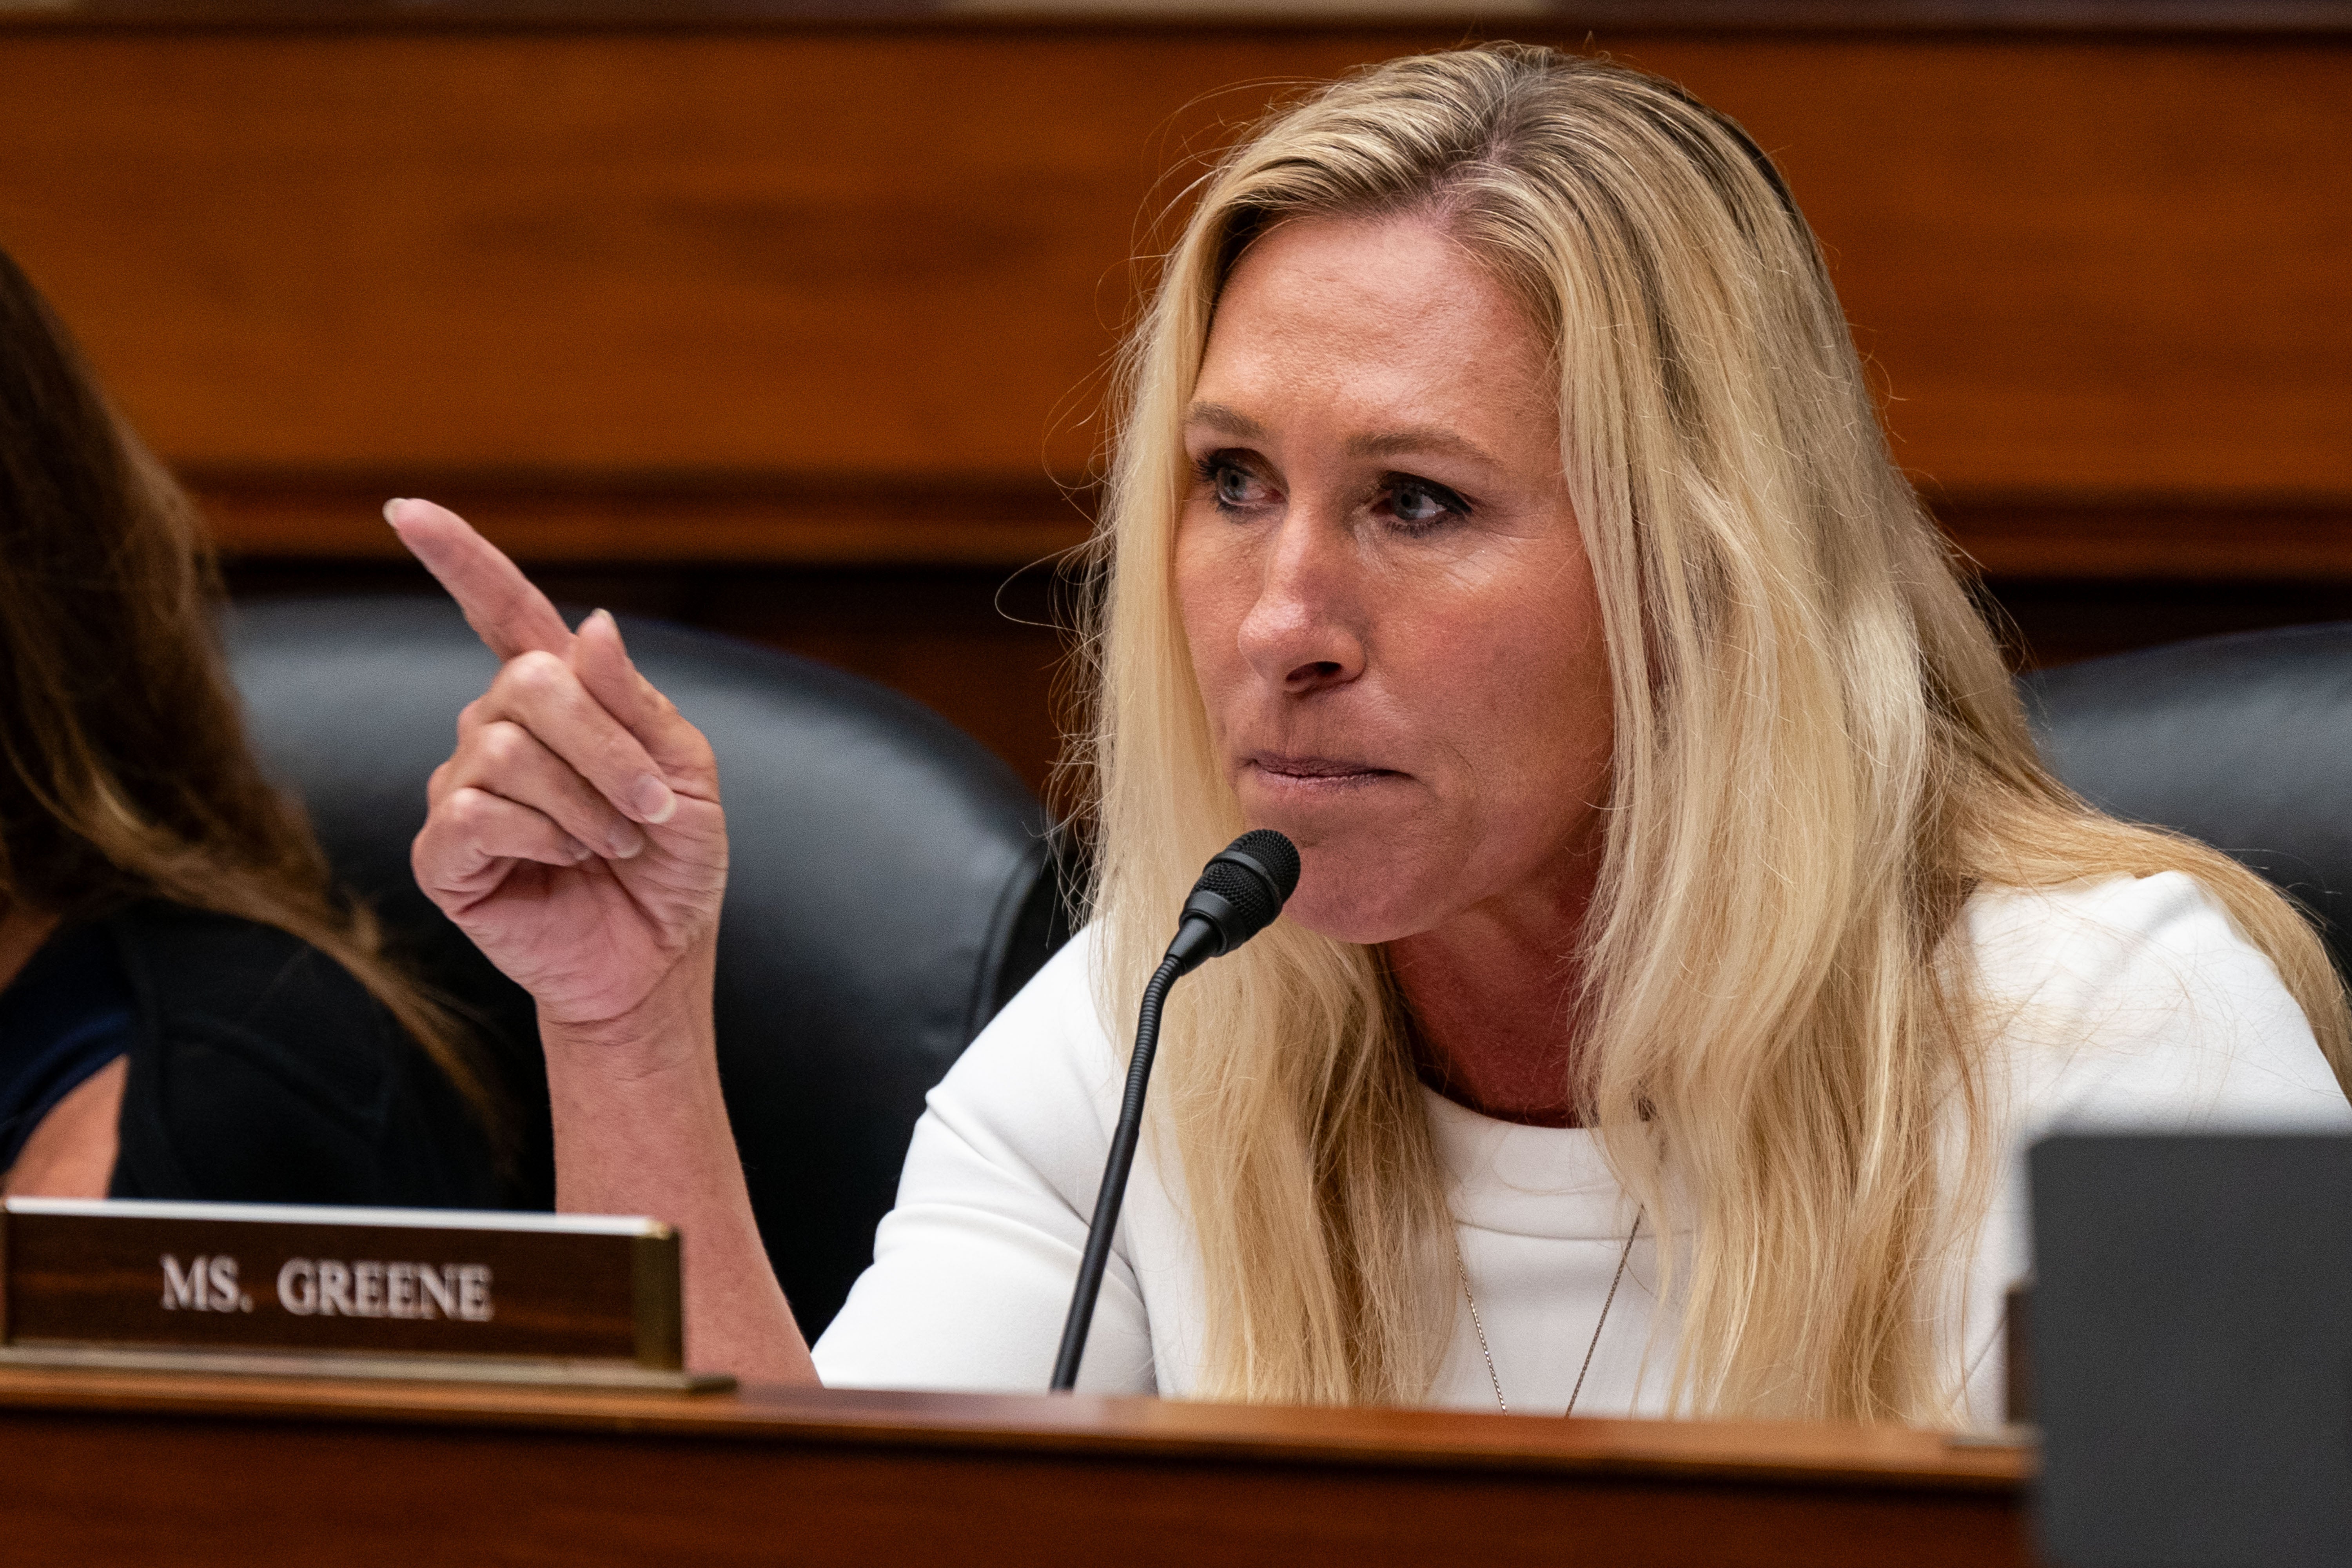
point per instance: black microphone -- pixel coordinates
(1240, 891)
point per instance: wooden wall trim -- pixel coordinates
(1975, 17)
(2157, 540)
(718, 521)
(689, 520)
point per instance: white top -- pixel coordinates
(2123, 1004)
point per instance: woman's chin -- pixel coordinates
(1363, 910)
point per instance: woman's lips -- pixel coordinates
(1314, 773)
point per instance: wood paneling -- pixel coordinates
(2080, 268)
(870, 257)
(569, 520)
(2087, 269)
(1780, 17)
(799, 331)
(2179, 540)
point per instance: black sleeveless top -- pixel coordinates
(67, 1013)
(261, 1070)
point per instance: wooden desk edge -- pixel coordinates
(1772, 1454)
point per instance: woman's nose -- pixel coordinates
(1304, 632)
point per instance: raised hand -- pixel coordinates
(575, 834)
(576, 837)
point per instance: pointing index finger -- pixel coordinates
(509, 615)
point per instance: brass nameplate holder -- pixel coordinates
(285, 1289)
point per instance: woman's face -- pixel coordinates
(1389, 607)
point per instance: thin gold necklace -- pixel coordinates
(1479, 1328)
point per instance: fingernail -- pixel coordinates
(652, 801)
(611, 625)
(390, 507)
(575, 849)
(626, 843)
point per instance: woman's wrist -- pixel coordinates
(669, 1029)
(641, 1127)
(640, 1123)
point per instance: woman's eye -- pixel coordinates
(1234, 486)
(1420, 506)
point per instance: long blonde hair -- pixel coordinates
(1818, 757)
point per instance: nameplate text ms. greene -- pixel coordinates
(267, 1278)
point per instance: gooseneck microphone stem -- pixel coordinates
(1123, 1140)
(1240, 891)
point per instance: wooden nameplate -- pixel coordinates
(441, 1295)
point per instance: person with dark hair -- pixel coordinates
(187, 1010)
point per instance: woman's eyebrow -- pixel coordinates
(1232, 421)
(1417, 438)
(1229, 421)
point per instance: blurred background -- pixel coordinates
(792, 321)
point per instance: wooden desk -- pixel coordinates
(194, 1471)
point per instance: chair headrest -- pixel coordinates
(2244, 742)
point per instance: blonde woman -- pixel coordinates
(1689, 939)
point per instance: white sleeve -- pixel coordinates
(972, 1269)
(2134, 1005)
(2124, 1005)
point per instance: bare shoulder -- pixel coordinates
(71, 1154)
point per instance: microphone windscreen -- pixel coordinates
(1256, 874)
(1276, 855)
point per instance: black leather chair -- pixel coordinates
(2244, 741)
(890, 888)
